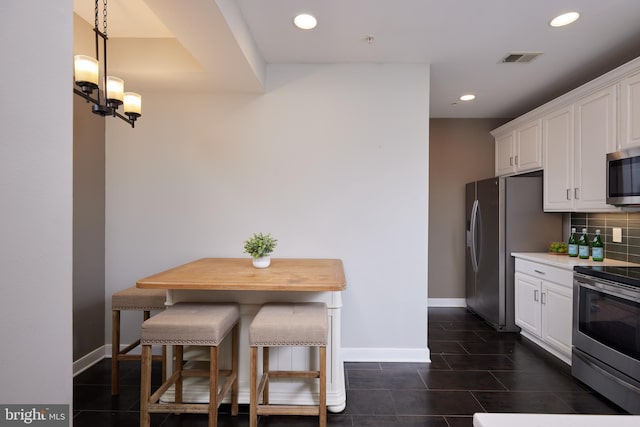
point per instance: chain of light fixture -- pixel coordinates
(86, 72)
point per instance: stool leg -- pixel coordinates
(265, 370)
(178, 351)
(213, 387)
(145, 386)
(115, 350)
(164, 363)
(323, 386)
(235, 351)
(253, 387)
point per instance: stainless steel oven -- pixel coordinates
(606, 333)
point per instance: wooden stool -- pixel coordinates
(131, 299)
(203, 324)
(287, 324)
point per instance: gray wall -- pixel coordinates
(460, 151)
(332, 160)
(88, 229)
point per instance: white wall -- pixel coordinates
(36, 201)
(332, 160)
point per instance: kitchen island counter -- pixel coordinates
(286, 280)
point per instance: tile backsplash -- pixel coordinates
(629, 249)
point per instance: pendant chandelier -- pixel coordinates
(110, 89)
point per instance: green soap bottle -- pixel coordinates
(583, 245)
(573, 243)
(597, 247)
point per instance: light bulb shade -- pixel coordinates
(115, 90)
(85, 71)
(132, 104)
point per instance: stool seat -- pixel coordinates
(289, 324)
(190, 324)
(134, 298)
(293, 325)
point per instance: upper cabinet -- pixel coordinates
(630, 112)
(575, 143)
(519, 150)
(557, 143)
(569, 137)
(595, 136)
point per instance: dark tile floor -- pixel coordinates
(473, 369)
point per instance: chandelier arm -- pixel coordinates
(89, 98)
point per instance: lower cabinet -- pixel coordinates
(543, 306)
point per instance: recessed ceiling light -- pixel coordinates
(468, 97)
(304, 21)
(564, 19)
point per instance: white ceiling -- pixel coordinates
(223, 45)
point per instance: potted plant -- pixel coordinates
(260, 246)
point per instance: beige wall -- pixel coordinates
(88, 229)
(460, 151)
(88, 214)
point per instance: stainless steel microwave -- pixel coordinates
(623, 177)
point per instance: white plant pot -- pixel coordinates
(262, 262)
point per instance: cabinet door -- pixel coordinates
(630, 112)
(504, 154)
(528, 147)
(557, 143)
(595, 135)
(527, 303)
(557, 309)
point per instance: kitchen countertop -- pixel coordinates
(554, 420)
(567, 262)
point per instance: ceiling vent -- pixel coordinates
(520, 57)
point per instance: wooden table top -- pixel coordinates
(284, 274)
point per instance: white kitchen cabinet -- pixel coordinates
(527, 297)
(629, 112)
(575, 141)
(556, 302)
(557, 144)
(543, 306)
(504, 154)
(595, 136)
(519, 150)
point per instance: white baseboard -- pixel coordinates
(88, 360)
(416, 355)
(447, 302)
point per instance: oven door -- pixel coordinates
(606, 323)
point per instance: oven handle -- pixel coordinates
(599, 287)
(586, 359)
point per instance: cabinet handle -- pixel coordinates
(535, 295)
(540, 272)
(516, 160)
(510, 161)
(543, 300)
(576, 193)
(568, 194)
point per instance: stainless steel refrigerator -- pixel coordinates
(503, 215)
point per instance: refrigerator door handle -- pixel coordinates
(474, 243)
